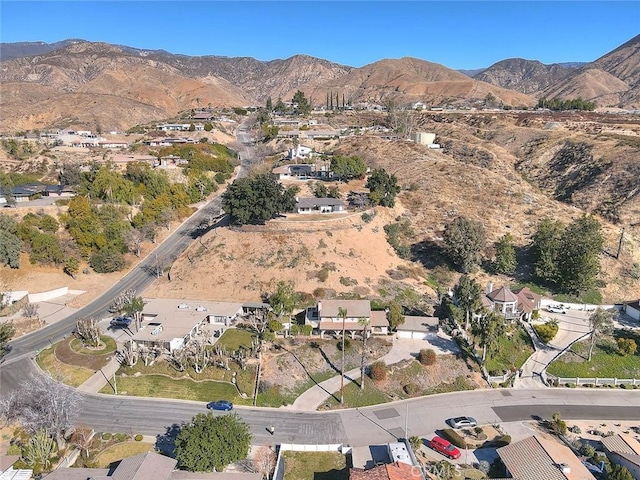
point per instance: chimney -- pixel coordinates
(489, 288)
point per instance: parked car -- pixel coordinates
(556, 309)
(444, 447)
(462, 422)
(223, 405)
(120, 322)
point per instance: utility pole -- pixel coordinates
(343, 313)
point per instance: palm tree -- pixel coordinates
(365, 333)
(342, 312)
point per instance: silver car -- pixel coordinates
(462, 422)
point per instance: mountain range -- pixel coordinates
(103, 86)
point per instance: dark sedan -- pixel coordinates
(223, 405)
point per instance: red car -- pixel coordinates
(444, 447)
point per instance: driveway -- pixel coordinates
(571, 326)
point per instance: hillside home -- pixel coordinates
(300, 152)
(113, 144)
(320, 169)
(168, 324)
(174, 127)
(632, 309)
(420, 328)
(145, 466)
(326, 318)
(512, 306)
(624, 450)
(320, 205)
(536, 458)
(203, 116)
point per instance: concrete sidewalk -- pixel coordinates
(402, 349)
(102, 377)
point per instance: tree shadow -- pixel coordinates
(429, 253)
(165, 442)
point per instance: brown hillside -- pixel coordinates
(590, 84)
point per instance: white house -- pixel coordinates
(420, 328)
(632, 309)
(299, 152)
(174, 127)
(169, 323)
(326, 318)
(320, 205)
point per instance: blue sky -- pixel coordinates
(457, 34)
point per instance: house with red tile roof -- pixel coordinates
(389, 471)
(512, 305)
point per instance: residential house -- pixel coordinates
(512, 306)
(299, 152)
(319, 169)
(203, 116)
(113, 144)
(537, 457)
(326, 318)
(624, 450)
(320, 205)
(390, 471)
(168, 324)
(23, 193)
(378, 324)
(421, 328)
(145, 466)
(632, 309)
(7, 472)
(174, 127)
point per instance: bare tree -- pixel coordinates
(30, 310)
(129, 353)
(89, 331)
(601, 324)
(179, 359)
(81, 438)
(263, 462)
(199, 356)
(123, 299)
(42, 403)
(166, 217)
(134, 241)
(149, 355)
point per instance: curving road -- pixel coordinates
(357, 427)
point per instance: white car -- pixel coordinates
(462, 422)
(556, 309)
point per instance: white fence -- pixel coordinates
(278, 473)
(594, 380)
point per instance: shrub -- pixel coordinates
(502, 441)
(454, 437)
(627, 346)
(547, 331)
(427, 356)
(106, 436)
(378, 370)
(323, 274)
(367, 217)
(138, 437)
(347, 344)
(411, 389)
(121, 437)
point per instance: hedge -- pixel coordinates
(454, 437)
(501, 441)
(547, 331)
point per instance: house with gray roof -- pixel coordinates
(541, 458)
(145, 466)
(320, 205)
(624, 450)
(326, 317)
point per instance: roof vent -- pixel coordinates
(156, 330)
(200, 308)
(564, 468)
(183, 306)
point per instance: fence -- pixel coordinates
(595, 381)
(278, 473)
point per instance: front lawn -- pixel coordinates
(606, 360)
(354, 397)
(511, 352)
(183, 389)
(119, 451)
(315, 466)
(234, 338)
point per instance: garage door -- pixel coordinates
(417, 335)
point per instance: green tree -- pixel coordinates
(579, 262)
(320, 190)
(10, 243)
(383, 188)
(45, 249)
(505, 261)
(488, 329)
(558, 426)
(619, 472)
(395, 315)
(463, 241)
(468, 294)
(257, 199)
(627, 346)
(348, 168)
(600, 324)
(415, 442)
(107, 260)
(71, 266)
(209, 443)
(70, 174)
(192, 128)
(284, 300)
(269, 105)
(7, 331)
(301, 104)
(280, 106)
(545, 248)
(208, 127)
